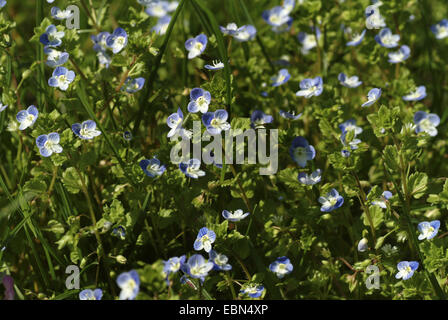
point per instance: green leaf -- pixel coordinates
(417, 184)
(72, 181)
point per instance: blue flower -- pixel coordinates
(258, 119)
(27, 117)
(174, 121)
(2, 106)
(372, 97)
(401, 55)
(133, 85)
(162, 25)
(374, 19)
(129, 283)
(428, 230)
(301, 151)
(52, 37)
(278, 17)
(104, 59)
(204, 240)
(195, 46)
(426, 122)
(310, 179)
(199, 100)
(244, 33)
(289, 115)
(353, 142)
(197, 267)
(59, 14)
(89, 294)
(440, 29)
(350, 125)
(281, 267)
(310, 87)
(219, 261)
(215, 122)
(55, 58)
(152, 167)
(61, 78)
(236, 216)
(191, 168)
(417, 95)
(48, 144)
(253, 290)
(406, 269)
(362, 245)
(119, 232)
(99, 41)
(159, 8)
(349, 82)
(345, 153)
(2, 3)
(382, 202)
(386, 39)
(117, 40)
(308, 41)
(217, 65)
(173, 265)
(331, 201)
(282, 77)
(356, 39)
(127, 135)
(229, 29)
(86, 130)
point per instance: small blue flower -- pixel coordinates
(117, 40)
(236, 216)
(2, 3)
(349, 82)
(356, 39)
(426, 122)
(310, 87)
(331, 201)
(406, 269)
(159, 8)
(59, 14)
(278, 17)
(86, 130)
(229, 29)
(310, 179)
(133, 85)
(301, 151)
(244, 33)
(2, 106)
(61, 78)
(191, 168)
(217, 65)
(48, 144)
(417, 95)
(253, 290)
(195, 46)
(281, 267)
(401, 55)
(353, 143)
(174, 121)
(350, 125)
(55, 58)
(120, 232)
(52, 37)
(89, 294)
(289, 115)
(386, 39)
(428, 230)
(362, 245)
(382, 202)
(173, 265)
(215, 122)
(204, 240)
(129, 283)
(345, 153)
(374, 19)
(282, 77)
(27, 117)
(219, 261)
(99, 41)
(152, 167)
(127, 135)
(372, 97)
(308, 41)
(258, 119)
(197, 267)
(162, 25)
(440, 29)
(199, 100)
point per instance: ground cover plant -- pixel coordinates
(96, 95)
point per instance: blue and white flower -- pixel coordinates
(349, 82)
(117, 40)
(199, 100)
(310, 87)
(440, 29)
(61, 78)
(244, 33)
(152, 167)
(356, 39)
(162, 25)
(372, 97)
(289, 115)
(129, 283)
(350, 140)
(215, 122)
(310, 179)
(382, 202)
(281, 267)
(426, 122)
(401, 55)
(428, 230)
(55, 58)
(173, 265)
(386, 39)
(197, 267)
(3, 106)
(195, 46)
(278, 17)
(229, 29)
(406, 269)
(119, 232)
(191, 168)
(89, 294)
(253, 290)
(59, 14)
(100, 41)
(86, 130)
(174, 121)
(204, 240)
(2, 3)
(308, 41)
(52, 37)
(219, 261)
(48, 144)
(331, 201)
(159, 8)
(282, 77)
(301, 151)
(417, 95)
(235, 216)
(133, 85)
(27, 117)
(362, 245)
(350, 125)
(258, 119)
(374, 19)
(217, 65)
